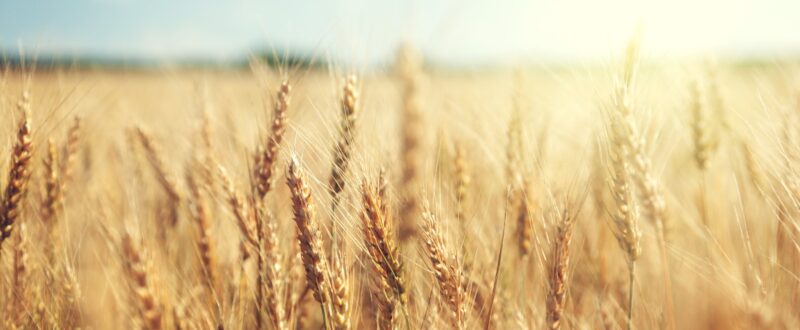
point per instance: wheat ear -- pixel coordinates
(69, 152)
(340, 291)
(150, 310)
(308, 234)
(271, 269)
(525, 217)
(19, 173)
(205, 245)
(462, 182)
(164, 177)
(267, 159)
(52, 187)
(347, 134)
(448, 275)
(558, 270)
(383, 252)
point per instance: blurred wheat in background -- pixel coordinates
(637, 194)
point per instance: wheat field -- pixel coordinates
(636, 194)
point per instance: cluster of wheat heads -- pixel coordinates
(341, 214)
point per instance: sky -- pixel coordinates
(362, 32)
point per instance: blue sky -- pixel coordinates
(368, 31)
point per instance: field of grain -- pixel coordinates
(631, 195)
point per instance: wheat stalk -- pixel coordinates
(411, 131)
(514, 147)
